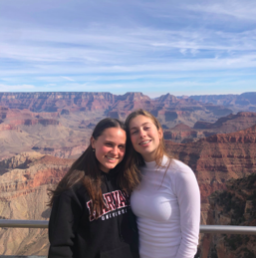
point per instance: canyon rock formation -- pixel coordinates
(24, 180)
(40, 131)
(60, 124)
(236, 205)
(45, 132)
(168, 108)
(218, 158)
(227, 124)
(26, 177)
(243, 102)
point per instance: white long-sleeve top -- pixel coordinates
(167, 205)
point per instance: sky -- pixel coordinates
(187, 47)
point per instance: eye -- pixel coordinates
(146, 128)
(133, 132)
(121, 147)
(109, 144)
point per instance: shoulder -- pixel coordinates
(180, 171)
(183, 179)
(76, 194)
(179, 166)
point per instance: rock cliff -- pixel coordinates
(55, 101)
(48, 133)
(243, 102)
(218, 158)
(60, 124)
(24, 180)
(170, 109)
(226, 124)
(230, 123)
(236, 205)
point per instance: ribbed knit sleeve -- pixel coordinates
(188, 196)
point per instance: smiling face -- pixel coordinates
(145, 136)
(109, 147)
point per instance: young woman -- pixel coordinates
(167, 201)
(90, 215)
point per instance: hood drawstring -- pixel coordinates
(118, 217)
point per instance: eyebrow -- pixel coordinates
(137, 127)
(112, 142)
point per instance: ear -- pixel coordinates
(92, 140)
(160, 133)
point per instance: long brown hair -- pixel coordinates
(86, 170)
(136, 157)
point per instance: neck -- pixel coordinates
(103, 169)
(150, 157)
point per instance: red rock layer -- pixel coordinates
(56, 101)
(25, 172)
(218, 158)
(24, 180)
(234, 206)
(66, 102)
(230, 123)
(227, 124)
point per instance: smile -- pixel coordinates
(145, 142)
(111, 158)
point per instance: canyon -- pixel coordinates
(41, 134)
(243, 102)
(60, 123)
(25, 181)
(231, 123)
(216, 159)
(235, 205)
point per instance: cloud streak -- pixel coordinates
(128, 43)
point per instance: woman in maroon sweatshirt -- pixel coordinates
(91, 216)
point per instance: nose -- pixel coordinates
(114, 150)
(141, 133)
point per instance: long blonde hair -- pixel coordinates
(137, 157)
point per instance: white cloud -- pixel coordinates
(238, 9)
(183, 51)
(125, 40)
(68, 78)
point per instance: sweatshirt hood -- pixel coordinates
(109, 175)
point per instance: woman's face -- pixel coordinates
(109, 148)
(145, 136)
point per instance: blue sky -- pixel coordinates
(187, 47)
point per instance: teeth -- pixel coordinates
(145, 142)
(111, 158)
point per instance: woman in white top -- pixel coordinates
(167, 201)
